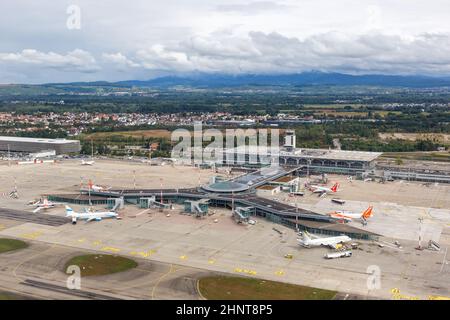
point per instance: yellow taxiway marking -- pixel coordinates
(183, 257)
(32, 235)
(279, 273)
(81, 240)
(143, 254)
(438, 298)
(171, 269)
(211, 261)
(251, 272)
(396, 295)
(112, 249)
(96, 243)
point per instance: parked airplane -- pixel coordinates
(43, 204)
(14, 194)
(348, 216)
(97, 188)
(90, 216)
(87, 163)
(324, 190)
(333, 242)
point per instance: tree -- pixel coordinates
(398, 161)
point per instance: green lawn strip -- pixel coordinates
(11, 296)
(101, 264)
(7, 245)
(238, 288)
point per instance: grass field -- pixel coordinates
(331, 106)
(138, 134)
(424, 156)
(341, 113)
(101, 264)
(237, 288)
(10, 296)
(11, 245)
(436, 137)
(157, 133)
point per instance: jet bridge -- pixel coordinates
(199, 208)
(115, 203)
(242, 214)
(151, 202)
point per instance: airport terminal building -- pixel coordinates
(34, 145)
(312, 160)
(305, 159)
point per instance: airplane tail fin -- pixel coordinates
(305, 235)
(335, 187)
(368, 213)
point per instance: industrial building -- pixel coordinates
(35, 145)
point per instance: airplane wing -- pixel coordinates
(334, 246)
(37, 209)
(341, 218)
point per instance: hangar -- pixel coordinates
(33, 145)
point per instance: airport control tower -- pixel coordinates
(289, 140)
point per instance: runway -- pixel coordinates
(37, 218)
(65, 290)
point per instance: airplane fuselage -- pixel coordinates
(90, 216)
(330, 241)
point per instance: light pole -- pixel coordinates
(420, 234)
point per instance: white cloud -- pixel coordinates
(119, 60)
(159, 57)
(76, 60)
(333, 51)
(256, 7)
(259, 52)
(120, 40)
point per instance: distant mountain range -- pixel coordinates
(202, 80)
(301, 79)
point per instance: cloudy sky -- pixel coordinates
(45, 41)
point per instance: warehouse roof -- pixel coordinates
(36, 140)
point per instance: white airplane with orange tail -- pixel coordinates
(87, 163)
(324, 190)
(97, 188)
(43, 204)
(348, 216)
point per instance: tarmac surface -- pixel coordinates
(25, 216)
(38, 272)
(174, 249)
